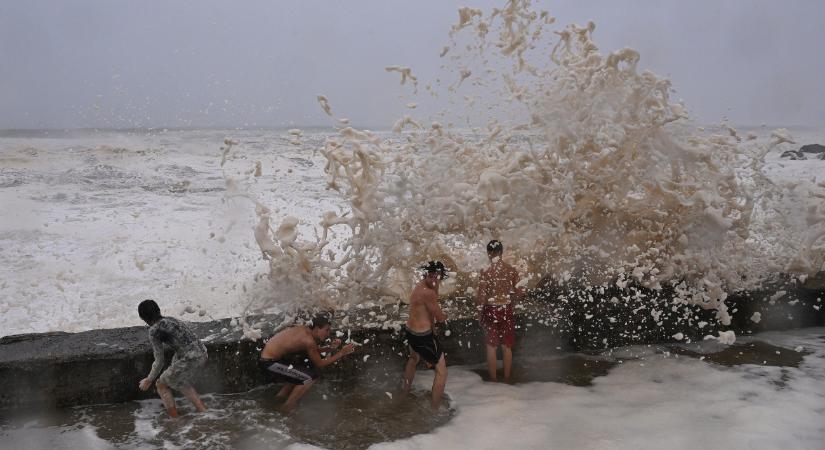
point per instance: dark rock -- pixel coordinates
(793, 155)
(812, 148)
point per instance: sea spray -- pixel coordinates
(586, 169)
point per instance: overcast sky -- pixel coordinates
(112, 63)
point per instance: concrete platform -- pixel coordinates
(104, 366)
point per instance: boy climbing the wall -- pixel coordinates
(190, 355)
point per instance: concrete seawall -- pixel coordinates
(104, 366)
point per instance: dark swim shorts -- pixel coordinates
(296, 369)
(425, 344)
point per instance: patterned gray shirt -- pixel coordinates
(179, 337)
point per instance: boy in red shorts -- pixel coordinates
(496, 295)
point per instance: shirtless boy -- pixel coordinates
(496, 295)
(190, 355)
(293, 357)
(424, 311)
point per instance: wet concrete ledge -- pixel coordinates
(104, 366)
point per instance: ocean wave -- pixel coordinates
(11, 177)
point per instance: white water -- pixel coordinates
(96, 222)
(658, 401)
(100, 221)
(582, 165)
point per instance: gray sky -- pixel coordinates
(112, 63)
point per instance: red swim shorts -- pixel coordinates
(498, 325)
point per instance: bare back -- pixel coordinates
(497, 284)
(424, 308)
(296, 339)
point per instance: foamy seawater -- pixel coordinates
(97, 221)
(101, 220)
(764, 392)
(576, 157)
(346, 414)
(651, 399)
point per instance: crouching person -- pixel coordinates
(190, 355)
(293, 357)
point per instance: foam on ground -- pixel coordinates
(654, 400)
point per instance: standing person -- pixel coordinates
(424, 312)
(293, 355)
(496, 295)
(190, 355)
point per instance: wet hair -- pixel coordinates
(495, 246)
(319, 321)
(149, 311)
(435, 267)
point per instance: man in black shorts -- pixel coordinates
(424, 311)
(293, 357)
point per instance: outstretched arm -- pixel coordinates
(157, 365)
(518, 286)
(481, 289)
(332, 346)
(315, 355)
(434, 310)
(518, 291)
